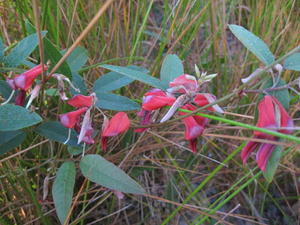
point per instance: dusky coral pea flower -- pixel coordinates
(69, 119)
(194, 126)
(156, 99)
(79, 101)
(25, 80)
(118, 124)
(202, 99)
(271, 115)
(184, 83)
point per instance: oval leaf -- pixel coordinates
(10, 140)
(253, 43)
(63, 188)
(77, 58)
(112, 80)
(22, 50)
(5, 89)
(115, 102)
(103, 172)
(273, 163)
(136, 75)
(171, 68)
(13, 117)
(57, 132)
(292, 62)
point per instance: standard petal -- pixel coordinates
(71, 118)
(188, 82)
(79, 101)
(118, 124)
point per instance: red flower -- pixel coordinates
(79, 101)
(156, 99)
(184, 83)
(194, 126)
(118, 124)
(25, 80)
(205, 99)
(271, 115)
(69, 119)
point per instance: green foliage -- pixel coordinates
(22, 50)
(57, 132)
(136, 75)
(171, 68)
(281, 95)
(115, 102)
(103, 172)
(13, 117)
(5, 89)
(253, 44)
(273, 163)
(292, 62)
(63, 188)
(110, 82)
(10, 140)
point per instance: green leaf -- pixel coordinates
(273, 163)
(253, 43)
(63, 189)
(57, 132)
(115, 102)
(136, 75)
(171, 68)
(22, 50)
(282, 95)
(2, 47)
(53, 55)
(79, 83)
(103, 172)
(112, 80)
(13, 117)
(292, 62)
(10, 140)
(5, 89)
(77, 59)
(75, 150)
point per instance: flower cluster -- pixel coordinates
(23, 83)
(271, 115)
(187, 87)
(83, 124)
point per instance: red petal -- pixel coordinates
(154, 102)
(118, 124)
(263, 154)
(266, 116)
(285, 119)
(79, 101)
(188, 81)
(193, 145)
(192, 128)
(24, 81)
(20, 99)
(71, 118)
(247, 150)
